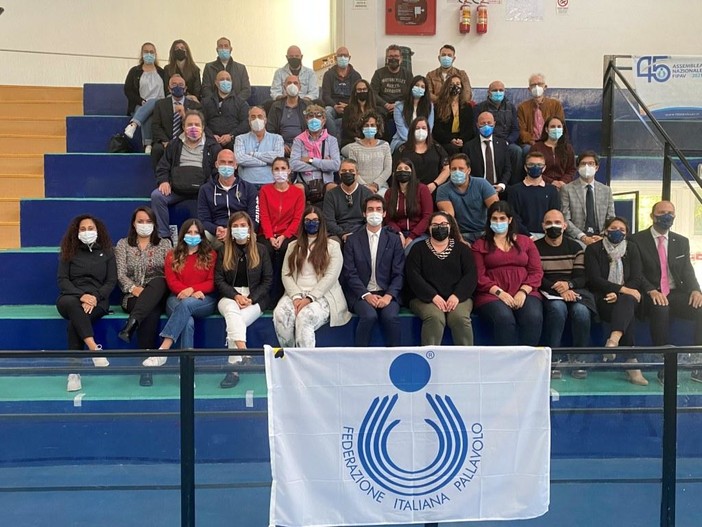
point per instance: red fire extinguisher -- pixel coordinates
(464, 25)
(482, 25)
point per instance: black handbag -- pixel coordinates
(119, 144)
(186, 181)
(315, 187)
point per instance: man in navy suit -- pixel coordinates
(373, 273)
(670, 289)
(489, 155)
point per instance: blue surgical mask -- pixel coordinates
(192, 240)
(311, 226)
(224, 54)
(664, 221)
(499, 227)
(446, 61)
(535, 171)
(149, 58)
(458, 177)
(240, 233)
(226, 171)
(497, 96)
(616, 237)
(486, 130)
(178, 91)
(314, 124)
(342, 62)
(225, 86)
(418, 92)
(555, 133)
(369, 132)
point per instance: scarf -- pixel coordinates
(616, 267)
(314, 148)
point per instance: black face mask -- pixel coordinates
(455, 89)
(554, 232)
(393, 63)
(347, 178)
(440, 232)
(180, 54)
(403, 176)
(362, 96)
(295, 63)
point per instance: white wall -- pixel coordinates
(118, 28)
(567, 48)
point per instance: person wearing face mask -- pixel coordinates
(166, 125)
(342, 204)
(313, 296)
(225, 113)
(144, 86)
(466, 198)
(224, 195)
(362, 100)
(416, 103)
(390, 84)
(189, 270)
(140, 260)
(241, 87)
(336, 89)
(614, 275)
(187, 164)
(372, 276)
(372, 154)
(409, 205)
(286, 116)
(256, 149)
(489, 157)
(454, 124)
(558, 153)
(431, 162)
(441, 278)
(86, 276)
(281, 205)
(308, 79)
(563, 287)
(669, 287)
(243, 277)
(586, 203)
(180, 61)
(509, 277)
(531, 198)
(533, 112)
(446, 69)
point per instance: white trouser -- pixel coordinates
(237, 320)
(299, 331)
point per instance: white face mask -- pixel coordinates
(587, 172)
(87, 237)
(420, 134)
(374, 218)
(280, 176)
(240, 233)
(537, 91)
(144, 229)
(257, 125)
(292, 90)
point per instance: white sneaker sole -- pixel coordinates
(154, 362)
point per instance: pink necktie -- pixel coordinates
(538, 123)
(663, 259)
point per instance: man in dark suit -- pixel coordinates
(670, 289)
(489, 155)
(163, 125)
(372, 277)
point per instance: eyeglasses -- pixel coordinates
(349, 200)
(318, 115)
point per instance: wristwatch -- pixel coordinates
(498, 292)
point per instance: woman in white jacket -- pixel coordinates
(313, 295)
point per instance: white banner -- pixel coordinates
(378, 436)
(670, 86)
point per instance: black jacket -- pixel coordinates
(241, 86)
(503, 166)
(442, 129)
(92, 272)
(131, 86)
(171, 159)
(162, 118)
(597, 269)
(231, 117)
(260, 277)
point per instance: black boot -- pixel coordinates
(128, 330)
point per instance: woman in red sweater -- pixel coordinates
(189, 270)
(281, 206)
(409, 205)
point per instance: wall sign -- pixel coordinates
(410, 17)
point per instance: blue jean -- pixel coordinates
(142, 117)
(181, 315)
(555, 314)
(333, 121)
(159, 204)
(514, 327)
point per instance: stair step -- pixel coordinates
(9, 209)
(9, 235)
(92, 133)
(104, 99)
(27, 126)
(41, 93)
(21, 164)
(39, 109)
(21, 185)
(31, 144)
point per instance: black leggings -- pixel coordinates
(620, 315)
(146, 309)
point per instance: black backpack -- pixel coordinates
(119, 144)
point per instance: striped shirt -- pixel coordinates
(565, 262)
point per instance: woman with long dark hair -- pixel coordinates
(409, 205)
(86, 276)
(558, 153)
(313, 295)
(361, 101)
(454, 122)
(509, 275)
(180, 61)
(243, 277)
(430, 160)
(417, 103)
(140, 259)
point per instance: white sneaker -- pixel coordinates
(100, 362)
(74, 383)
(147, 149)
(235, 359)
(155, 361)
(130, 130)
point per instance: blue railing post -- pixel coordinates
(187, 440)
